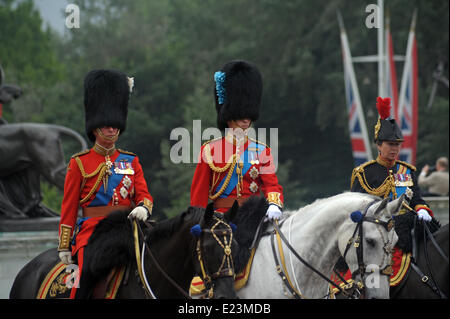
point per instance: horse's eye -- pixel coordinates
(371, 242)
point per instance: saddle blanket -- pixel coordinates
(198, 288)
(401, 263)
(55, 283)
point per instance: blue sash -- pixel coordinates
(102, 198)
(401, 178)
(251, 153)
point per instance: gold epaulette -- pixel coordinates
(407, 165)
(362, 166)
(126, 152)
(358, 170)
(214, 139)
(383, 190)
(259, 142)
(81, 153)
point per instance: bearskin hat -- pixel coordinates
(386, 128)
(106, 95)
(238, 94)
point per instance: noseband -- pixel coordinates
(226, 268)
(357, 241)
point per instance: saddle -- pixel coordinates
(59, 280)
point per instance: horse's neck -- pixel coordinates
(314, 235)
(315, 232)
(174, 255)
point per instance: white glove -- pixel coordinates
(66, 257)
(273, 212)
(422, 214)
(139, 213)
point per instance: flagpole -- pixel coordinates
(407, 65)
(381, 57)
(349, 66)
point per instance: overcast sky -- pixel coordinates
(52, 12)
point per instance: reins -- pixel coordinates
(428, 280)
(358, 244)
(281, 269)
(226, 269)
(137, 229)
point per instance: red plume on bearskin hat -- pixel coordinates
(386, 128)
(106, 94)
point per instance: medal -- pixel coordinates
(127, 182)
(254, 173)
(123, 192)
(253, 187)
(124, 168)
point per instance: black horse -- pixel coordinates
(435, 269)
(179, 253)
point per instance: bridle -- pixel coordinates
(226, 268)
(357, 240)
(208, 278)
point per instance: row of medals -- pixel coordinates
(254, 173)
(126, 181)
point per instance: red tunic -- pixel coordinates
(81, 191)
(88, 184)
(253, 172)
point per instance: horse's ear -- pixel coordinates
(209, 212)
(231, 213)
(381, 206)
(394, 206)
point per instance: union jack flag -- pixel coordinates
(359, 150)
(357, 125)
(391, 74)
(409, 102)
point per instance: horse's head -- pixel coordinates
(214, 246)
(368, 252)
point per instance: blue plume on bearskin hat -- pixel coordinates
(240, 93)
(106, 95)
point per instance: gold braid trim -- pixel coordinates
(359, 169)
(377, 129)
(383, 190)
(231, 163)
(227, 181)
(100, 170)
(210, 162)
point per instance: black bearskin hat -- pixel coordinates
(386, 128)
(238, 95)
(106, 94)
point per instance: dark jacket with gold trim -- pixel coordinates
(377, 178)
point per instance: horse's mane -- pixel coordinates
(112, 244)
(166, 228)
(253, 211)
(349, 199)
(247, 220)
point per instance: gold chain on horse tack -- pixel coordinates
(226, 246)
(226, 257)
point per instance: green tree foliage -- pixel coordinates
(173, 48)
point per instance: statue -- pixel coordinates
(27, 152)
